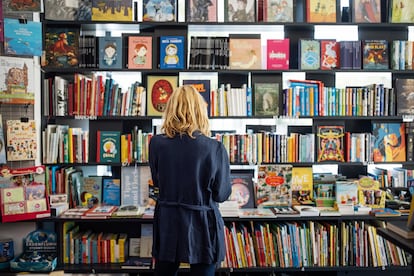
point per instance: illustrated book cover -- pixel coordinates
(375, 54)
(277, 54)
(242, 188)
(388, 142)
(402, 11)
(346, 192)
(330, 54)
(21, 140)
(160, 10)
(91, 191)
(172, 49)
(366, 11)
(330, 143)
(203, 87)
(404, 92)
(109, 10)
(256, 213)
(61, 47)
(111, 191)
(139, 52)
(245, 51)
(266, 99)
(278, 11)
(159, 89)
(370, 194)
(110, 53)
(321, 11)
(108, 145)
(22, 6)
(274, 186)
(22, 38)
(201, 11)
(16, 80)
(61, 10)
(302, 186)
(239, 11)
(309, 54)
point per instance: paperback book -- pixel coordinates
(21, 140)
(172, 50)
(277, 54)
(302, 186)
(375, 54)
(139, 52)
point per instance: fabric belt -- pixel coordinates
(184, 205)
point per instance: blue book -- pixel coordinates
(110, 52)
(111, 193)
(172, 52)
(22, 38)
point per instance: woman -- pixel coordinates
(192, 173)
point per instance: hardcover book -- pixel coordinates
(239, 11)
(266, 99)
(321, 11)
(159, 89)
(242, 188)
(91, 191)
(135, 182)
(22, 39)
(109, 10)
(111, 191)
(160, 10)
(110, 52)
(60, 10)
(201, 11)
(330, 143)
(245, 51)
(388, 142)
(346, 192)
(139, 52)
(22, 6)
(21, 140)
(172, 50)
(366, 11)
(330, 54)
(309, 54)
(370, 194)
(277, 54)
(404, 91)
(375, 54)
(302, 186)
(202, 86)
(402, 11)
(278, 11)
(61, 47)
(108, 146)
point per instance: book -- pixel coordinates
(284, 211)
(21, 140)
(135, 182)
(139, 52)
(159, 90)
(242, 188)
(410, 219)
(305, 211)
(330, 143)
(108, 10)
(330, 54)
(278, 11)
(99, 210)
(2, 143)
(309, 54)
(22, 6)
(274, 186)
(22, 38)
(61, 47)
(370, 194)
(401, 11)
(108, 145)
(60, 10)
(201, 11)
(324, 190)
(277, 54)
(137, 263)
(346, 192)
(110, 52)
(91, 191)
(171, 52)
(159, 11)
(17, 84)
(203, 86)
(321, 11)
(368, 11)
(239, 11)
(129, 211)
(111, 191)
(404, 92)
(400, 227)
(328, 211)
(388, 142)
(245, 51)
(256, 213)
(384, 212)
(375, 54)
(266, 99)
(302, 186)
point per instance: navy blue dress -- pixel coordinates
(192, 176)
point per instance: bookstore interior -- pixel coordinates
(313, 101)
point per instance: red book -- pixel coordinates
(277, 54)
(330, 53)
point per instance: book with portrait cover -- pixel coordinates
(159, 89)
(266, 99)
(245, 51)
(404, 92)
(139, 52)
(110, 52)
(330, 143)
(239, 11)
(242, 188)
(309, 54)
(278, 11)
(330, 54)
(388, 142)
(21, 140)
(375, 54)
(321, 11)
(109, 10)
(201, 11)
(172, 49)
(108, 145)
(22, 38)
(366, 11)
(159, 11)
(277, 54)
(61, 47)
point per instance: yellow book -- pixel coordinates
(69, 228)
(122, 247)
(113, 248)
(124, 149)
(240, 241)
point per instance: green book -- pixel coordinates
(108, 146)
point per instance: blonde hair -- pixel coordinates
(186, 112)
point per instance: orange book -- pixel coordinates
(139, 52)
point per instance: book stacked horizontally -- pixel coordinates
(99, 212)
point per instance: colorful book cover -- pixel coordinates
(274, 186)
(310, 54)
(110, 52)
(22, 6)
(159, 10)
(172, 52)
(242, 188)
(16, 80)
(239, 11)
(369, 193)
(201, 11)
(404, 91)
(346, 192)
(330, 143)
(302, 185)
(108, 146)
(109, 10)
(321, 11)
(277, 54)
(22, 38)
(245, 51)
(324, 190)
(388, 142)
(91, 191)
(139, 52)
(159, 90)
(2, 143)
(402, 11)
(375, 54)
(266, 99)
(61, 47)
(202, 86)
(111, 191)
(278, 11)
(330, 54)
(366, 11)
(21, 140)
(60, 10)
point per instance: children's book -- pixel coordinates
(330, 143)
(61, 10)
(109, 10)
(321, 11)
(330, 54)
(369, 193)
(278, 11)
(159, 90)
(22, 38)
(266, 99)
(201, 11)
(22, 6)
(172, 50)
(61, 47)
(388, 142)
(402, 11)
(302, 186)
(203, 87)
(91, 191)
(375, 54)
(21, 140)
(139, 52)
(111, 191)
(324, 190)
(256, 213)
(108, 145)
(310, 54)
(367, 11)
(160, 10)
(245, 51)
(239, 11)
(277, 54)
(110, 52)
(242, 188)
(346, 192)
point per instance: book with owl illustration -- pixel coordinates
(21, 140)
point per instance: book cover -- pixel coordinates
(159, 90)
(111, 191)
(305, 211)
(91, 191)
(274, 186)
(2, 143)
(61, 47)
(284, 211)
(22, 38)
(109, 10)
(400, 227)
(139, 52)
(245, 51)
(100, 211)
(242, 188)
(309, 54)
(137, 263)
(346, 192)
(256, 213)
(159, 11)
(278, 54)
(388, 142)
(278, 11)
(330, 143)
(384, 212)
(321, 11)
(110, 54)
(324, 190)
(366, 11)
(203, 87)
(375, 54)
(60, 10)
(17, 81)
(135, 182)
(370, 194)
(201, 11)
(239, 10)
(108, 146)
(21, 140)
(84, 12)
(302, 185)
(404, 91)
(266, 99)
(22, 6)
(402, 11)
(172, 50)
(330, 54)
